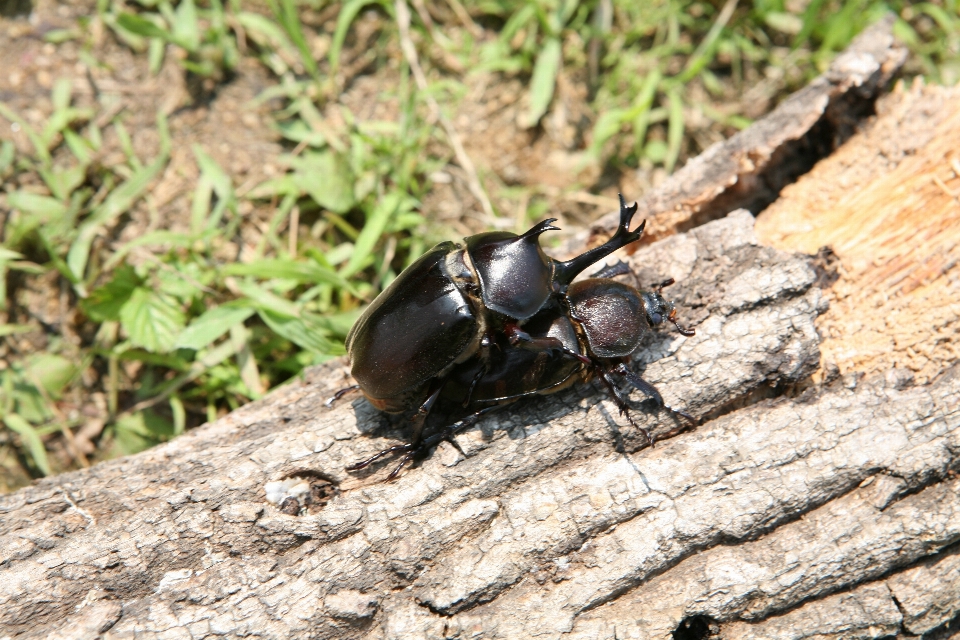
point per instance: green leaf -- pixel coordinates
(211, 325)
(675, 128)
(608, 125)
(289, 17)
(38, 146)
(13, 329)
(6, 155)
(106, 301)
(296, 331)
(263, 299)
(45, 207)
(544, 79)
(141, 430)
(119, 201)
(143, 27)
(51, 371)
(784, 22)
(372, 230)
(31, 439)
(326, 178)
(348, 13)
(160, 237)
(309, 272)
(186, 30)
(151, 321)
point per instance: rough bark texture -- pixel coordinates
(808, 503)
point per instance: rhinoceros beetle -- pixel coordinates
(493, 320)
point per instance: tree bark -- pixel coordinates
(812, 501)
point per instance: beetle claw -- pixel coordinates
(363, 464)
(339, 394)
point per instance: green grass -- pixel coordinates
(170, 333)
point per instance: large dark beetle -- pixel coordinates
(494, 320)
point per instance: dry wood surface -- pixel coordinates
(813, 500)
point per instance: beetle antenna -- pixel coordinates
(565, 272)
(665, 283)
(684, 331)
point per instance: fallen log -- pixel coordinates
(817, 498)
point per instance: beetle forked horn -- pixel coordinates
(540, 227)
(565, 272)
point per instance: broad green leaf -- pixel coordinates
(544, 79)
(607, 126)
(262, 30)
(160, 237)
(119, 201)
(31, 439)
(106, 301)
(186, 30)
(151, 321)
(372, 230)
(8, 255)
(296, 331)
(45, 207)
(60, 96)
(62, 183)
(140, 431)
(784, 22)
(6, 155)
(51, 371)
(211, 325)
(325, 177)
(38, 146)
(309, 272)
(275, 187)
(143, 27)
(219, 179)
(13, 329)
(263, 299)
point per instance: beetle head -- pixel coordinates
(658, 309)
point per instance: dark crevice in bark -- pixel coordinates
(696, 628)
(844, 115)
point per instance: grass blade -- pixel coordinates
(31, 439)
(544, 80)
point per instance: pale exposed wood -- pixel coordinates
(888, 204)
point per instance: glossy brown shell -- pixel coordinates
(611, 314)
(414, 330)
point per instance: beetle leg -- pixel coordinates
(339, 394)
(520, 338)
(420, 417)
(621, 403)
(363, 464)
(645, 387)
